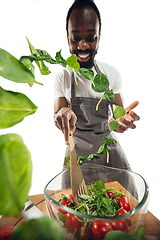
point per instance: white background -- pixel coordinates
(130, 41)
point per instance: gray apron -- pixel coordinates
(91, 127)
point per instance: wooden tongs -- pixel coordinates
(77, 181)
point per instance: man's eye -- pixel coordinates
(91, 38)
(75, 39)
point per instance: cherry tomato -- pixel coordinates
(124, 203)
(110, 195)
(70, 198)
(72, 223)
(64, 203)
(120, 225)
(121, 212)
(84, 233)
(6, 233)
(100, 229)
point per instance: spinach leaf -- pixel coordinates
(113, 125)
(42, 67)
(109, 140)
(100, 83)
(68, 161)
(15, 174)
(119, 235)
(42, 228)
(13, 69)
(93, 157)
(60, 59)
(81, 160)
(118, 111)
(27, 62)
(74, 65)
(109, 95)
(103, 149)
(14, 107)
(87, 73)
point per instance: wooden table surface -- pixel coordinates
(151, 227)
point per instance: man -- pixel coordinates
(74, 106)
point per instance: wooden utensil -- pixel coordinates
(77, 181)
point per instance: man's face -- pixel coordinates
(83, 35)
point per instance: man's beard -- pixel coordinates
(89, 64)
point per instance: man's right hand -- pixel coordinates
(65, 119)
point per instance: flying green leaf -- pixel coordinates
(113, 125)
(15, 174)
(93, 157)
(42, 228)
(118, 111)
(42, 67)
(73, 64)
(81, 160)
(87, 73)
(60, 59)
(109, 95)
(13, 69)
(103, 149)
(14, 107)
(100, 83)
(68, 161)
(109, 140)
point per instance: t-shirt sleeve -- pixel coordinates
(116, 83)
(58, 86)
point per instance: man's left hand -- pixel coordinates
(127, 120)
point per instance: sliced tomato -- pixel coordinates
(64, 203)
(72, 223)
(6, 233)
(120, 225)
(100, 229)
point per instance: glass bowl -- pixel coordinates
(131, 184)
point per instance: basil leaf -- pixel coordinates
(103, 149)
(118, 111)
(119, 235)
(100, 83)
(42, 228)
(15, 174)
(81, 160)
(113, 125)
(109, 95)
(87, 73)
(14, 107)
(93, 157)
(13, 69)
(42, 67)
(109, 140)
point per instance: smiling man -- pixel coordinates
(74, 106)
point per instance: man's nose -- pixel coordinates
(83, 45)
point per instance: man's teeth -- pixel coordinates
(83, 55)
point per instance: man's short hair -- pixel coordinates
(79, 4)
